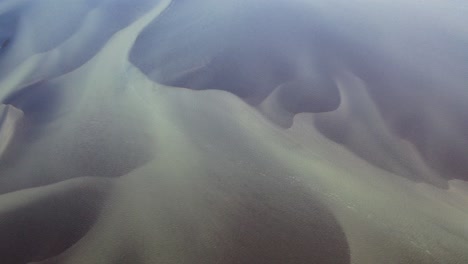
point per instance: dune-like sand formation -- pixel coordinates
(173, 131)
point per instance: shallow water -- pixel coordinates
(208, 131)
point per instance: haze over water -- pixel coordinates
(261, 131)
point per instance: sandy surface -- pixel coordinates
(242, 132)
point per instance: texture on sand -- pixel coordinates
(158, 131)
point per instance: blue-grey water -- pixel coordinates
(208, 131)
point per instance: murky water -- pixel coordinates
(266, 131)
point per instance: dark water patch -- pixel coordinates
(247, 48)
(39, 102)
(419, 101)
(109, 17)
(8, 26)
(312, 95)
(48, 225)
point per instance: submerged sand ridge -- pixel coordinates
(114, 165)
(10, 119)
